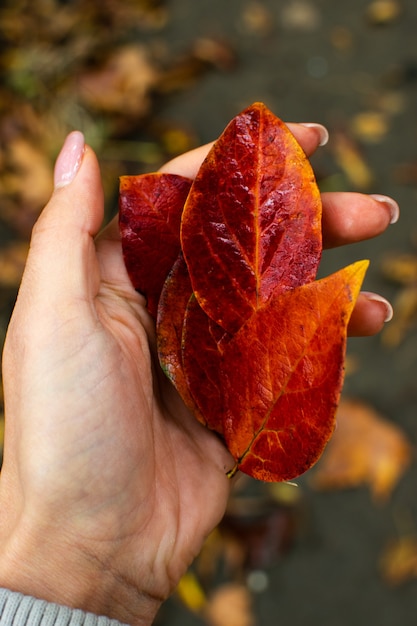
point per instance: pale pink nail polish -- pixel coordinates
(392, 206)
(322, 131)
(69, 159)
(377, 298)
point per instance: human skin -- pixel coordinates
(109, 485)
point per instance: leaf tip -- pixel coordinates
(358, 271)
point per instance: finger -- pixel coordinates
(351, 217)
(61, 259)
(110, 257)
(187, 164)
(370, 314)
(309, 136)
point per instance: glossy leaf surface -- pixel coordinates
(283, 374)
(253, 344)
(273, 388)
(150, 208)
(252, 219)
(202, 350)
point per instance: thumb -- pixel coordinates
(62, 263)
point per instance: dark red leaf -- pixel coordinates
(174, 299)
(150, 208)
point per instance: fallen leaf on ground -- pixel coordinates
(230, 605)
(399, 560)
(405, 307)
(191, 593)
(366, 449)
(401, 269)
(257, 19)
(350, 159)
(260, 529)
(383, 12)
(122, 86)
(370, 126)
(26, 183)
(12, 263)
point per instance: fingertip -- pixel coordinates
(78, 192)
(370, 314)
(309, 135)
(385, 307)
(320, 130)
(69, 159)
(349, 217)
(390, 204)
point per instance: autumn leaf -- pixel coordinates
(253, 344)
(278, 380)
(123, 86)
(150, 208)
(399, 560)
(252, 220)
(174, 299)
(366, 449)
(401, 269)
(351, 161)
(203, 368)
(191, 593)
(12, 263)
(230, 605)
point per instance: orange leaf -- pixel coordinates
(365, 449)
(283, 374)
(230, 605)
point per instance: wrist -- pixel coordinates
(56, 569)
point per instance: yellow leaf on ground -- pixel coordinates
(350, 160)
(365, 449)
(399, 560)
(191, 593)
(370, 126)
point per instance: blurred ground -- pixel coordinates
(146, 80)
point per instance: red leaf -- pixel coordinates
(252, 220)
(203, 366)
(254, 346)
(175, 296)
(282, 374)
(181, 326)
(150, 208)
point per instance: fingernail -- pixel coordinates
(392, 206)
(375, 297)
(69, 159)
(322, 132)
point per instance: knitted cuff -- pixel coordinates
(17, 609)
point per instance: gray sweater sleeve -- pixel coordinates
(17, 609)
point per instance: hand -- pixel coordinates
(109, 486)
